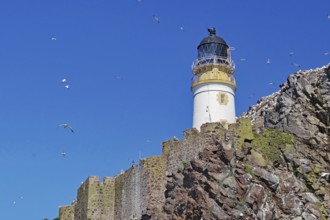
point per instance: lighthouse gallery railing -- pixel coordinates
(214, 60)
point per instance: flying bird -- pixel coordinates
(67, 126)
(271, 83)
(156, 18)
(326, 53)
(268, 61)
(291, 54)
(63, 154)
(329, 17)
(295, 64)
(232, 48)
(181, 28)
(54, 38)
(64, 80)
(242, 59)
(118, 77)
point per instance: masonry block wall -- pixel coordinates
(178, 153)
(152, 173)
(127, 195)
(140, 190)
(95, 199)
(67, 212)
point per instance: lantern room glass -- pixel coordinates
(213, 49)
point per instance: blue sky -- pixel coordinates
(129, 79)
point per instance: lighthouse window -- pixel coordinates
(222, 98)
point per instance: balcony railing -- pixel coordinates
(214, 61)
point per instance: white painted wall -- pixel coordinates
(205, 97)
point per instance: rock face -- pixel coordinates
(275, 169)
(301, 107)
(274, 163)
(263, 178)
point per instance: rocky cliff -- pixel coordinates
(301, 107)
(277, 169)
(274, 163)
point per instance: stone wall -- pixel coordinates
(95, 199)
(127, 194)
(80, 208)
(177, 153)
(152, 184)
(101, 199)
(138, 193)
(67, 212)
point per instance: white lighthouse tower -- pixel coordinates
(213, 83)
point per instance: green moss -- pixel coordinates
(270, 141)
(321, 207)
(315, 186)
(249, 169)
(258, 158)
(243, 131)
(321, 191)
(179, 169)
(316, 170)
(185, 164)
(299, 169)
(312, 178)
(322, 210)
(289, 148)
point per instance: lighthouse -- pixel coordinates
(213, 85)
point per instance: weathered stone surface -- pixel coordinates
(270, 179)
(255, 197)
(314, 209)
(310, 197)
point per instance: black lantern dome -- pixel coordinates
(213, 45)
(213, 52)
